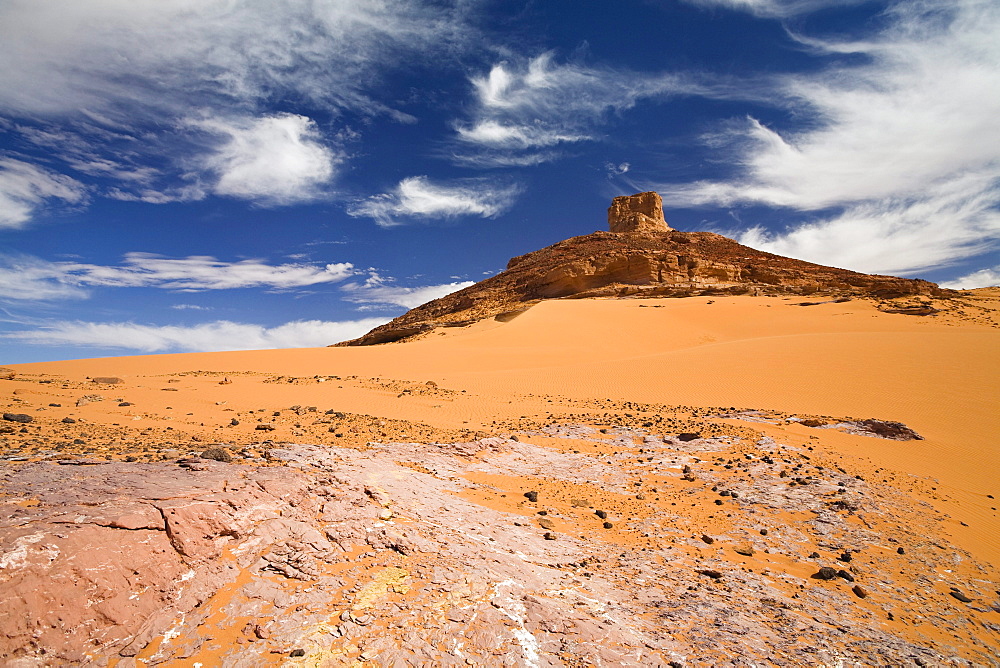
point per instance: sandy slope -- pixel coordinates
(939, 375)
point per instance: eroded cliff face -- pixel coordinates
(641, 263)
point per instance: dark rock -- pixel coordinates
(845, 557)
(18, 417)
(814, 555)
(955, 593)
(763, 532)
(296, 653)
(600, 513)
(549, 535)
(218, 454)
(896, 431)
(608, 525)
(859, 591)
(715, 575)
(265, 427)
(846, 575)
(234, 422)
(68, 420)
(708, 540)
(107, 380)
(900, 550)
(531, 496)
(825, 573)
(688, 436)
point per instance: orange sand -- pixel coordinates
(938, 375)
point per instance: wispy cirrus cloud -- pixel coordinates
(377, 291)
(902, 147)
(525, 110)
(113, 84)
(26, 188)
(206, 337)
(776, 8)
(984, 278)
(33, 279)
(417, 197)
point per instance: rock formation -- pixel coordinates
(641, 256)
(642, 212)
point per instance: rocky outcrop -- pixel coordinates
(642, 212)
(642, 262)
(394, 555)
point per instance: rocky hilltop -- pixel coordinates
(640, 255)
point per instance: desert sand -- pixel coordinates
(643, 409)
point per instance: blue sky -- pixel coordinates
(190, 175)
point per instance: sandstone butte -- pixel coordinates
(640, 256)
(794, 466)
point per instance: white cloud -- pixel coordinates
(114, 82)
(207, 337)
(419, 197)
(276, 159)
(776, 8)
(378, 291)
(542, 104)
(984, 278)
(24, 188)
(114, 57)
(952, 221)
(190, 307)
(30, 278)
(910, 131)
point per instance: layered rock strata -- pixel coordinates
(641, 256)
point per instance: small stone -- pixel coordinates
(234, 422)
(18, 417)
(608, 525)
(106, 380)
(825, 573)
(297, 652)
(708, 540)
(600, 513)
(859, 591)
(745, 550)
(900, 550)
(68, 420)
(955, 593)
(265, 427)
(261, 632)
(845, 557)
(718, 502)
(763, 532)
(549, 536)
(846, 575)
(531, 496)
(715, 575)
(814, 555)
(546, 523)
(640, 497)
